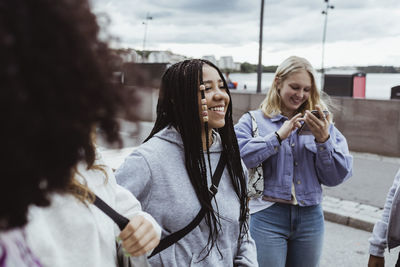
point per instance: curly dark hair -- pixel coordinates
(178, 95)
(55, 89)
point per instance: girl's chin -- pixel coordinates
(296, 106)
(293, 107)
(293, 103)
(216, 125)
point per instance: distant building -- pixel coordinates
(226, 63)
(164, 57)
(175, 58)
(158, 57)
(210, 58)
(129, 55)
(237, 66)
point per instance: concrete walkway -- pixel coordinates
(351, 213)
(357, 202)
(342, 211)
(351, 209)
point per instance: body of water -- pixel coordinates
(378, 85)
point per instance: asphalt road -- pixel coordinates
(372, 178)
(348, 247)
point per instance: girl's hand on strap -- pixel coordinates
(139, 236)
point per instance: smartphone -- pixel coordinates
(304, 130)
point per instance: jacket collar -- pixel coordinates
(278, 117)
(170, 134)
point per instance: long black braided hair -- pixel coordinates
(178, 107)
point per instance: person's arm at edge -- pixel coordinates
(378, 241)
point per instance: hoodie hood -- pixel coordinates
(171, 135)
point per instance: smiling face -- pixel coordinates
(294, 91)
(216, 96)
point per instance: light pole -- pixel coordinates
(324, 12)
(148, 17)
(259, 68)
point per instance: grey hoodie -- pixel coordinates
(155, 173)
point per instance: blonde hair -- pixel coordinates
(271, 105)
(81, 191)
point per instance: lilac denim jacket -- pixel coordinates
(298, 160)
(14, 250)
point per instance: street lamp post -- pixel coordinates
(259, 69)
(148, 17)
(324, 12)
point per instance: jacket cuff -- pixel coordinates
(376, 251)
(272, 142)
(327, 146)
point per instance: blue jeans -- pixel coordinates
(288, 235)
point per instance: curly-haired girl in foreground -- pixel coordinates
(54, 91)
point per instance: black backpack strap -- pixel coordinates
(120, 220)
(216, 178)
(175, 237)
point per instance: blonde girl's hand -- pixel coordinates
(319, 127)
(139, 236)
(289, 125)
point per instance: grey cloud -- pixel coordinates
(290, 22)
(207, 34)
(362, 25)
(206, 6)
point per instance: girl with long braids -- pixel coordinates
(171, 172)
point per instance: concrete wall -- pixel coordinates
(243, 102)
(371, 126)
(144, 103)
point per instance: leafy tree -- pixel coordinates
(247, 67)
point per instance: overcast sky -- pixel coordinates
(359, 32)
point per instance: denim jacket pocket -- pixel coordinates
(312, 147)
(325, 158)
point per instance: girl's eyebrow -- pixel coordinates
(210, 81)
(296, 84)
